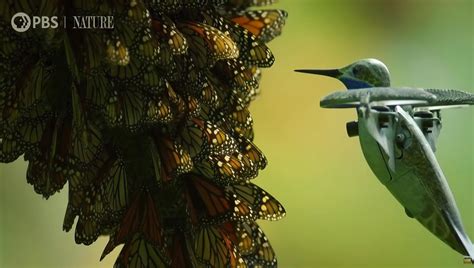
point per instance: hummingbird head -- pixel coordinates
(360, 74)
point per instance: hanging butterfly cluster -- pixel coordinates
(148, 123)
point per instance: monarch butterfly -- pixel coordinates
(248, 93)
(254, 245)
(199, 138)
(97, 91)
(39, 77)
(252, 51)
(264, 24)
(92, 215)
(192, 78)
(251, 151)
(265, 206)
(223, 92)
(158, 110)
(116, 186)
(87, 143)
(87, 138)
(234, 71)
(31, 125)
(228, 169)
(171, 34)
(75, 199)
(141, 219)
(226, 96)
(209, 203)
(233, 119)
(213, 246)
(98, 211)
(180, 257)
(8, 101)
(173, 159)
(48, 166)
(139, 252)
(208, 94)
(245, 240)
(88, 191)
(94, 53)
(152, 82)
(176, 100)
(259, 54)
(207, 44)
(10, 147)
(165, 62)
(242, 122)
(118, 56)
(149, 49)
(191, 138)
(142, 216)
(132, 29)
(126, 109)
(45, 180)
(137, 15)
(194, 107)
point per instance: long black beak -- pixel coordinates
(331, 72)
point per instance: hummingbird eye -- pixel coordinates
(359, 71)
(356, 70)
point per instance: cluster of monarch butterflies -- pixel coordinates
(147, 122)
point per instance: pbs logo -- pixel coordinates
(21, 22)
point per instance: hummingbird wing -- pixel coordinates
(379, 96)
(431, 201)
(449, 98)
(469, 247)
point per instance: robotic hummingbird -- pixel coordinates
(398, 129)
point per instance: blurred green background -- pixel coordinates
(339, 215)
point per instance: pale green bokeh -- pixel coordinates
(339, 215)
